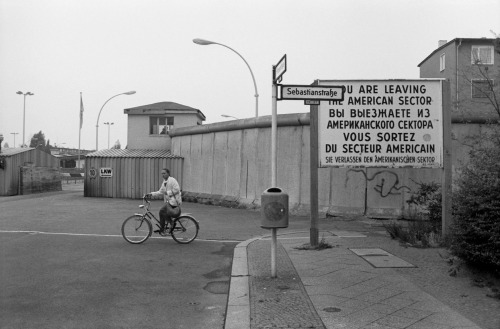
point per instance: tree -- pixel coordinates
(38, 141)
(47, 146)
(476, 194)
(483, 83)
(117, 145)
(476, 209)
(496, 44)
(6, 145)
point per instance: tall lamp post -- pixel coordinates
(109, 124)
(24, 111)
(97, 123)
(14, 138)
(206, 42)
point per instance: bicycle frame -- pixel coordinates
(149, 215)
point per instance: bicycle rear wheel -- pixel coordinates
(185, 229)
(136, 229)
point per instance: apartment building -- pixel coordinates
(472, 65)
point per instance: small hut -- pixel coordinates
(11, 175)
(117, 173)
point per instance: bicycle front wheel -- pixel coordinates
(185, 229)
(136, 229)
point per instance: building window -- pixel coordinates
(482, 88)
(442, 62)
(160, 125)
(482, 55)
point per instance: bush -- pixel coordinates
(428, 200)
(424, 226)
(476, 209)
(417, 233)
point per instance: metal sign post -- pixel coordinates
(278, 71)
(274, 163)
(311, 94)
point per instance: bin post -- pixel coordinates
(274, 215)
(274, 244)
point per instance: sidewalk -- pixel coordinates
(355, 284)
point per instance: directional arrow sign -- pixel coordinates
(322, 93)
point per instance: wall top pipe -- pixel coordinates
(294, 119)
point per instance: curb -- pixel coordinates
(238, 303)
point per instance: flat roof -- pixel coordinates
(9, 151)
(163, 106)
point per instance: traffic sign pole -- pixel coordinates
(274, 168)
(313, 180)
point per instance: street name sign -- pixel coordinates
(322, 93)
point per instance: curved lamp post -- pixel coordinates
(24, 111)
(204, 42)
(97, 123)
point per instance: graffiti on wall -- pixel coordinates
(389, 182)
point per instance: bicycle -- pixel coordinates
(139, 227)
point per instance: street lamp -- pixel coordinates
(24, 111)
(97, 123)
(206, 42)
(109, 124)
(228, 116)
(14, 138)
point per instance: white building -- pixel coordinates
(148, 125)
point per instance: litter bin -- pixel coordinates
(274, 208)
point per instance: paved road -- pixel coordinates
(64, 264)
(60, 281)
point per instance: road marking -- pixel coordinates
(105, 235)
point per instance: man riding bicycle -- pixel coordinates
(171, 192)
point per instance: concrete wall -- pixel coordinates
(229, 163)
(39, 179)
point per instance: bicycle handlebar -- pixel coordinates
(146, 200)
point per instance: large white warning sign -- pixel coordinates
(382, 123)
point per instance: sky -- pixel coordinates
(61, 49)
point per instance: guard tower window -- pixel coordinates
(160, 125)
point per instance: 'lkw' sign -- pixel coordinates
(106, 172)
